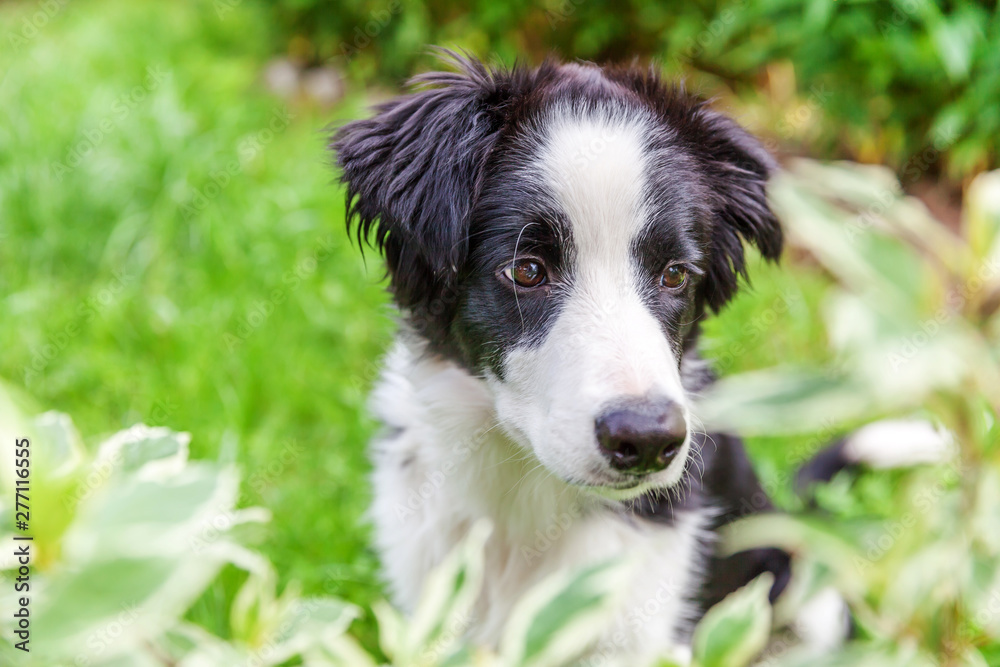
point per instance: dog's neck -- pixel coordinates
(448, 413)
(463, 451)
(444, 462)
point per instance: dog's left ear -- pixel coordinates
(413, 171)
(738, 168)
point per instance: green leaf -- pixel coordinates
(186, 514)
(781, 402)
(736, 630)
(98, 594)
(982, 216)
(13, 427)
(955, 39)
(842, 214)
(445, 608)
(926, 580)
(391, 628)
(152, 450)
(799, 535)
(558, 619)
(60, 442)
(309, 623)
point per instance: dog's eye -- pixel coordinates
(525, 273)
(674, 277)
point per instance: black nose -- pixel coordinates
(642, 437)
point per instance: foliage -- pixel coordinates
(736, 630)
(190, 268)
(121, 280)
(899, 82)
(121, 277)
(915, 327)
(130, 538)
(124, 543)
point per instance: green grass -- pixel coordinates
(169, 342)
(245, 317)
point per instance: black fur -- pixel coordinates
(413, 172)
(438, 181)
(432, 180)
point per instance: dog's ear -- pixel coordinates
(412, 173)
(738, 167)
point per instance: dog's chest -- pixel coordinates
(441, 470)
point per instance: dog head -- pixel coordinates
(559, 231)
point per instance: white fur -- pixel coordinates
(896, 443)
(447, 465)
(522, 451)
(823, 622)
(606, 345)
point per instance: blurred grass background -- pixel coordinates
(172, 247)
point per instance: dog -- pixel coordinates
(554, 237)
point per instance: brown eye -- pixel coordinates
(525, 273)
(674, 277)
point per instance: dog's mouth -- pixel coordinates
(624, 491)
(621, 486)
(617, 488)
(624, 486)
(603, 478)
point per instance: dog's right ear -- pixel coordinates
(413, 171)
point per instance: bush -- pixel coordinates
(125, 541)
(886, 81)
(915, 326)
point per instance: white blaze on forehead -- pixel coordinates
(595, 168)
(605, 346)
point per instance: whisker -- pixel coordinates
(517, 301)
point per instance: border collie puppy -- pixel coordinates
(553, 238)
